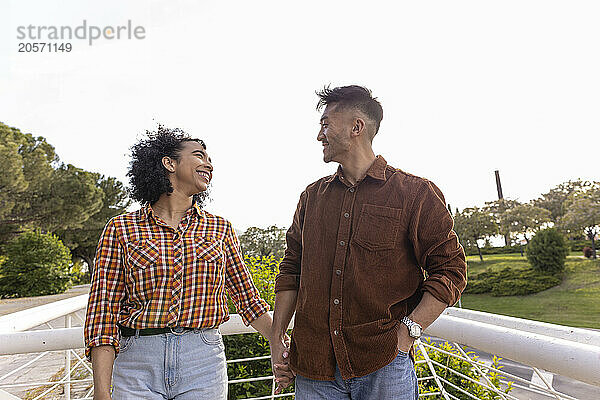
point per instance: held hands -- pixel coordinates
(284, 376)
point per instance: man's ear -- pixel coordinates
(359, 127)
(168, 163)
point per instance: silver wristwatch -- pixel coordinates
(414, 330)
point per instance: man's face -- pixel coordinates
(335, 134)
(193, 170)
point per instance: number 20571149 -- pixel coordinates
(45, 47)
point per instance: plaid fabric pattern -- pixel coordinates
(149, 275)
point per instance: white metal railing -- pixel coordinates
(525, 343)
(566, 351)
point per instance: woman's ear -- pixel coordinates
(168, 163)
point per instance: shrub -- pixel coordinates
(36, 264)
(547, 251)
(461, 366)
(588, 252)
(511, 282)
(79, 274)
(263, 271)
(472, 251)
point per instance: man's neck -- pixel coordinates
(356, 168)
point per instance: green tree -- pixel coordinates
(583, 213)
(12, 179)
(259, 242)
(498, 209)
(524, 219)
(548, 251)
(554, 200)
(36, 264)
(38, 191)
(27, 168)
(474, 224)
(69, 200)
(83, 240)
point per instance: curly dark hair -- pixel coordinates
(148, 178)
(352, 96)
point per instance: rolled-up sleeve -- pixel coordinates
(288, 277)
(105, 293)
(238, 281)
(436, 246)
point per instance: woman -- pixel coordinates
(160, 279)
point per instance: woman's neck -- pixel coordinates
(172, 207)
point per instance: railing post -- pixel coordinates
(67, 386)
(273, 389)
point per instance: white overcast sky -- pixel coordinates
(467, 87)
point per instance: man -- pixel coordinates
(353, 271)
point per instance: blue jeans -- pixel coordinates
(395, 381)
(171, 366)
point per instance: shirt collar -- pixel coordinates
(375, 171)
(147, 211)
(198, 210)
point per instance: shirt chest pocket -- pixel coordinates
(142, 254)
(378, 227)
(145, 270)
(210, 260)
(209, 250)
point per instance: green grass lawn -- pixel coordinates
(575, 302)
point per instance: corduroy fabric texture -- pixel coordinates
(361, 256)
(149, 275)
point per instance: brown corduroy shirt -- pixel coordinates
(360, 257)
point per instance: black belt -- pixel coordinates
(125, 331)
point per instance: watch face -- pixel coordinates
(415, 331)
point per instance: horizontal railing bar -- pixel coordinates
(46, 383)
(35, 316)
(579, 335)
(275, 396)
(239, 360)
(261, 378)
(574, 360)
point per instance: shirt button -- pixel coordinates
(351, 190)
(338, 271)
(335, 332)
(336, 302)
(342, 243)
(346, 215)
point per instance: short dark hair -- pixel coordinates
(148, 177)
(355, 97)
